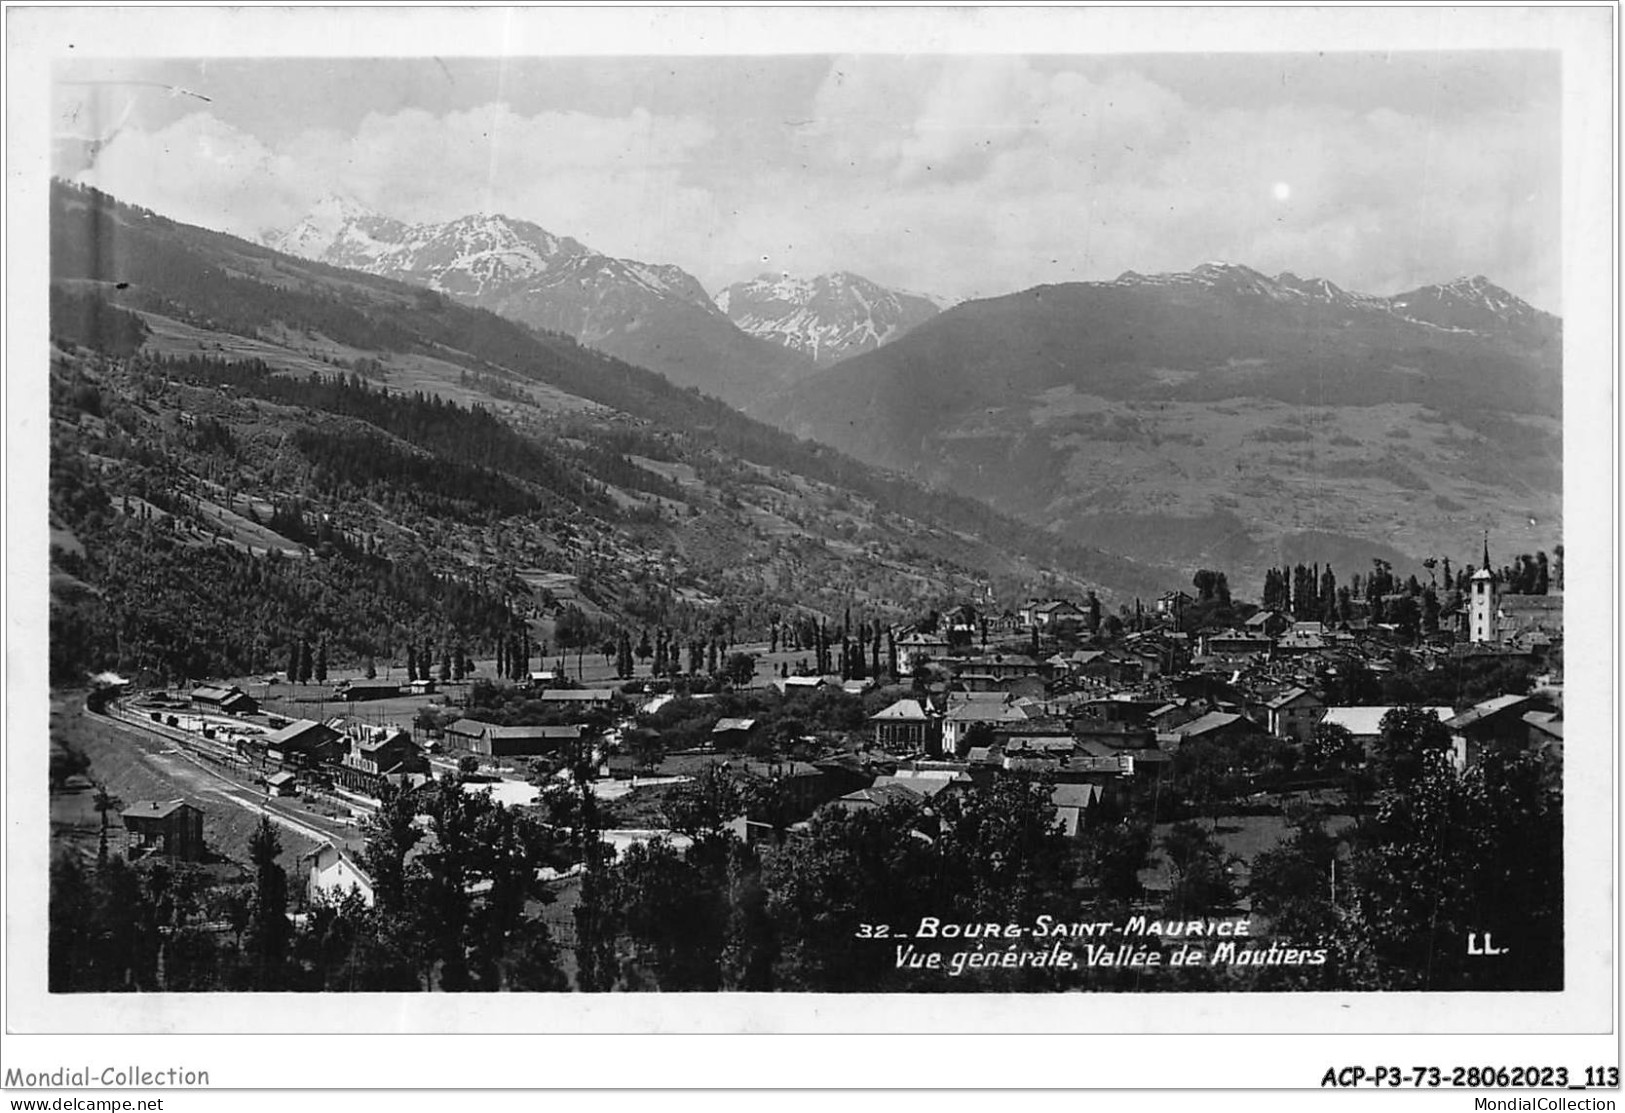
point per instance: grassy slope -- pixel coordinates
(255, 301)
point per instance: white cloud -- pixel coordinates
(199, 170)
(964, 176)
(615, 182)
(1032, 176)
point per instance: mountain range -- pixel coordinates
(1216, 417)
(654, 315)
(249, 447)
(1221, 416)
(760, 336)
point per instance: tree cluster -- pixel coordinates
(1306, 592)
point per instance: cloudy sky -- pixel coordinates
(962, 175)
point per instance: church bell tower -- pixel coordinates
(1481, 601)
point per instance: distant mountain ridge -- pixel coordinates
(652, 314)
(828, 318)
(1219, 412)
(1466, 304)
(1475, 304)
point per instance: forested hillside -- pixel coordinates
(1221, 416)
(252, 453)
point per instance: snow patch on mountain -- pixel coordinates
(338, 224)
(1472, 305)
(484, 256)
(1465, 305)
(656, 315)
(827, 318)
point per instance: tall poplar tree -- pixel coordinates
(269, 930)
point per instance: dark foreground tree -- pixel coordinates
(1112, 856)
(850, 869)
(104, 802)
(1201, 871)
(1452, 858)
(269, 929)
(1294, 886)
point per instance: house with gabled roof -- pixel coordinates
(582, 699)
(332, 873)
(232, 700)
(530, 741)
(928, 783)
(878, 795)
(1268, 624)
(380, 749)
(1050, 613)
(1227, 644)
(304, 743)
(790, 684)
(1072, 803)
(733, 733)
(1170, 715)
(1545, 727)
(1038, 745)
(1497, 722)
(906, 726)
(1217, 726)
(999, 665)
(1545, 733)
(357, 691)
(284, 783)
(494, 740)
(1528, 618)
(173, 828)
(1294, 713)
(1302, 639)
(1079, 662)
(915, 648)
(465, 733)
(1121, 708)
(964, 713)
(976, 682)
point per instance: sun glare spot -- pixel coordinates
(1281, 190)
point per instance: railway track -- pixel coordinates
(213, 759)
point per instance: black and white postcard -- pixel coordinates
(813, 520)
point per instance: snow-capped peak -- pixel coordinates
(333, 219)
(466, 255)
(1472, 304)
(1481, 290)
(829, 317)
(1463, 305)
(498, 261)
(1217, 275)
